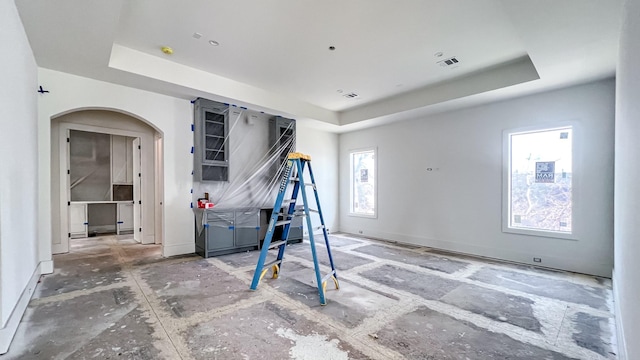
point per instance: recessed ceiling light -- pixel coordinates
(167, 50)
(332, 47)
(438, 54)
(213, 43)
(197, 35)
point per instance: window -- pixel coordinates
(363, 182)
(539, 182)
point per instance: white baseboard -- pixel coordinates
(178, 249)
(8, 332)
(46, 267)
(622, 344)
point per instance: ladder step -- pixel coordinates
(276, 261)
(276, 244)
(283, 222)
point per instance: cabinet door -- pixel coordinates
(78, 220)
(247, 227)
(220, 230)
(125, 217)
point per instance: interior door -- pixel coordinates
(137, 191)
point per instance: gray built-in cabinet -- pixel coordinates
(227, 231)
(211, 143)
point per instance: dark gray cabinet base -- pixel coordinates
(227, 231)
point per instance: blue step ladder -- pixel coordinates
(297, 161)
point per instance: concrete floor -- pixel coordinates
(113, 299)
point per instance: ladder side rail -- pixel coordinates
(324, 227)
(270, 230)
(310, 229)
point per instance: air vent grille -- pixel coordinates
(449, 62)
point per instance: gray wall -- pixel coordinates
(626, 284)
(459, 206)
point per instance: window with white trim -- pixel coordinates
(363, 182)
(539, 178)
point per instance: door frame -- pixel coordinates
(64, 128)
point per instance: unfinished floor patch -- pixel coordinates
(80, 273)
(191, 287)
(266, 331)
(430, 287)
(495, 305)
(103, 324)
(594, 297)
(410, 257)
(341, 260)
(427, 334)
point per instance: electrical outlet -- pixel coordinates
(538, 260)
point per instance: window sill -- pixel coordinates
(541, 233)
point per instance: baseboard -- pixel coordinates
(8, 332)
(178, 249)
(622, 344)
(46, 267)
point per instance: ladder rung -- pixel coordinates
(276, 261)
(329, 275)
(283, 222)
(276, 244)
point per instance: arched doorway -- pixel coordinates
(106, 177)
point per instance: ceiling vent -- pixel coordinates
(448, 62)
(351, 95)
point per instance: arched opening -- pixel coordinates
(106, 178)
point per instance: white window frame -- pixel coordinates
(506, 180)
(375, 184)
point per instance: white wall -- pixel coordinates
(626, 281)
(18, 171)
(170, 116)
(459, 206)
(323, 148)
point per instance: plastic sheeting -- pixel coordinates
(255, 165)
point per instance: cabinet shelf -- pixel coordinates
(211, 129)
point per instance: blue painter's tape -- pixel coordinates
(85, 223)
(242, 107)
(226, 104)
(193, 101)
(206, 225)
(257, 227)
(192, 191)
(192, 149)
(234, 105)
(231, 227)
(191, 172)
(192, 205)
(120, 222)
(193, 127)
